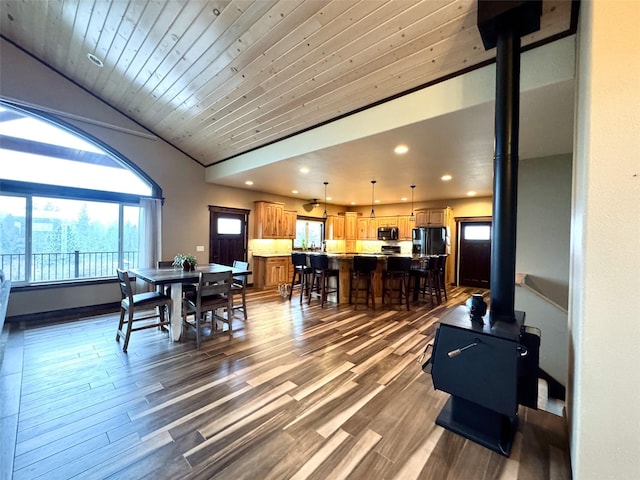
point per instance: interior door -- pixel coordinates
(475, 254)
(228, 235)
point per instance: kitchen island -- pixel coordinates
(272, 269)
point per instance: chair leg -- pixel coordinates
(128, 334)
(120, 333)
(370, 289)
(293, 282)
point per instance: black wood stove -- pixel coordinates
(489, 365)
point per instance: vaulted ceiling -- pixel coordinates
(218, 79)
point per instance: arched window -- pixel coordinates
(70, 208)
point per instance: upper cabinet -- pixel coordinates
(405, 225)
(268, 220)
(433, 217)
(289, 224)
(335, 227)
(387, 221)
(351, 225)
(367, 228)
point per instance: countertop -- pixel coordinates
(341, 255)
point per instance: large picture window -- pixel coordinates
(69, 209)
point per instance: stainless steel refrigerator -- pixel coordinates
(430, 241)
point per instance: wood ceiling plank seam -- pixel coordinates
(64, 36)
(252, 48)
(202, 50)
(201, 23)
(23, 24)
(84, 71)
(315, 75)
(274, 86)
(53, 26)
(113, 87)
(113, 40)
(177, 29)
(75, 56)
(218, 93)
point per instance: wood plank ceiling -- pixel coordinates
(220, 78)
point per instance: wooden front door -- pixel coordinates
(475, 254)
(228, 234)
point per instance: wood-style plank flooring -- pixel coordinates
(298, 393)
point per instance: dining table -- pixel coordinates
(176, 277)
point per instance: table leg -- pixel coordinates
(176, 310)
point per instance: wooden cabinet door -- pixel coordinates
(404, 227)
(335, 227)
(372, 229)
(437, 217)
(289, 223)
(422, 218)
(350, 225)
(363, 228)
(277, 269)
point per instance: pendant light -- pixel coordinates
(373, 189)
(412, 218)
(324, 215)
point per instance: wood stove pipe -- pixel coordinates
(501, 24)
(505, 176)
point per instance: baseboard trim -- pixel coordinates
(67, 314)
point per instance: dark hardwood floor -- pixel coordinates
(298, 393)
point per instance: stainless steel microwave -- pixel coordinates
(387, 233)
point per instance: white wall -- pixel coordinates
(604, 321)
(542, 252)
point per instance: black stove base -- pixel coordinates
(479, 424)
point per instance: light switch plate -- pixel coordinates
(199, 248)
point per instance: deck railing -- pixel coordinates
(50, 267)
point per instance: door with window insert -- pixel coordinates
(475, 254)
(228, 234)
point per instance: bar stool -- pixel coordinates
(320, 276)
(302, 271)
(440, 276)
(426, 280)
(395, 278)
(362, 272)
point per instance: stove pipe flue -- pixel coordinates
(501, 24)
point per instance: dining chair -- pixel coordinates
(140, 302)
(239, 287)
(214, 292)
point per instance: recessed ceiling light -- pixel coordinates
(377, 201)
(446, 178)
(471, 193)
(95, 60)
(248, 182)
(294, 191)
(304, 170)
(404, 199)
(329, 198)
(353, 203)
(400, 149)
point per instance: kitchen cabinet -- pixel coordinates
(405, 225)
(433, 217)
(335, 227)
(351, 225)
(270, 271)
(387, 221)
(367, 228)
(289, 224)
(268, 219)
